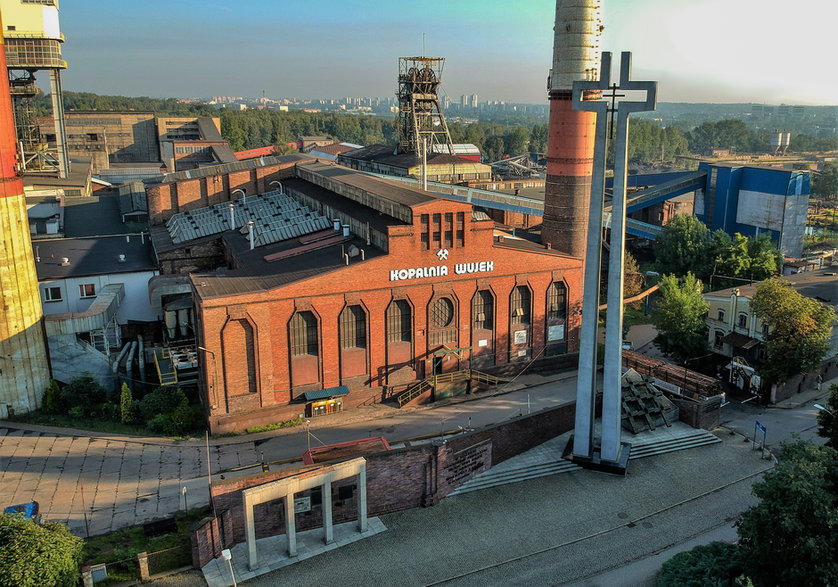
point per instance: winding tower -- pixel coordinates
(33, 44)
(421, 120)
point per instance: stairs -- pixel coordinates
(545, 460)
(414, 391)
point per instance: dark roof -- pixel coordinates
(208, 130)
(740, 341)
(163, 242)
(256, 274)
(86, 216)
(383, 154)
(394, 191)
(821, 285)
(355, 210)
(224, 153)
(133, 201)
(230, 167)
(93, 256)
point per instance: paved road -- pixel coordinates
(100, 484)
(569, 528)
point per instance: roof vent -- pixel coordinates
(122, 258)
(65, 262)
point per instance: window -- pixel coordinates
(52, 294)
(765, 330)
(353, 328)
(442, 313)
(303, 334)
(717, 339)
(520, 305)
(482, 310)
(461, 222)
(437, 235)
(721, 316)
(557, 301)
(399, 327)
(742, 321)
(87, 290)
(425, 233)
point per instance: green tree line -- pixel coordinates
(249, 129)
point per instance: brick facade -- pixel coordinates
(400, 479)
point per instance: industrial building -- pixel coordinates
(120, 139)
(337, 288)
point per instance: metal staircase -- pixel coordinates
(430, 383)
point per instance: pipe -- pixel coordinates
(120, 357)
(141, 357)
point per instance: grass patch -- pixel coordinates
(284, 424)
(124, 545)
(86, 423)
(633, 317)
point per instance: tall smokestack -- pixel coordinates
(24, 370)
(570, 141)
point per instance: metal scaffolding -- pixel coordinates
(421, 123)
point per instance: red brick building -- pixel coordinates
(404, 285)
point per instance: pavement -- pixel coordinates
(581, 527)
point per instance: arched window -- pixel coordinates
(482, 310)
(721, 315)
(353, 328)
(557, 301)
(442, 313)
(519, 305)
(303, 334)
(399, 322)
(742, 322)
(717, 339)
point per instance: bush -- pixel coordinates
(38, 555)
(162, 400)
(83, 392)
(52, 398)
(126, 405)
(108, 411)
(76, 413)
(717, 564)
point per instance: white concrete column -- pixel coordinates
(328, 527)
(250, 532)
(362, 498)
(290, 524)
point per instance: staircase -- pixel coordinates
(545, 459)
(428, 384)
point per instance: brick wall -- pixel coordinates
(399, 479)
(705, 414)
(167, 199)
(206, 542)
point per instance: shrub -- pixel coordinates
(83, 392)
(108, 411)
(717, 564)
(126, 405)
(76, 413)
(162, 400)
(36, 555)
(52, 398)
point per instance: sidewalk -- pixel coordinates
(807, 396)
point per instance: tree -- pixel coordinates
(791, 536)
(683, 246)
(679, 317)
(765, 258)
(633, 280)
(37, 555)
(717, 563)
(127, 409)
(828, 419)
(825, 182)
(799, 328)
(83, 393)
(52, 398)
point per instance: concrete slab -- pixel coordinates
(273, 555)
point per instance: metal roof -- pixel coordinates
(223, 168)
(93, 256)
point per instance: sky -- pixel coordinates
(763, 51)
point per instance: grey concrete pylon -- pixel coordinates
(611, 448)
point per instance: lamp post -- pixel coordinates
(244, 194)
(228, 556)
(824, 409)
(214, 377)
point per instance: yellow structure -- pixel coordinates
(24, 368)
(33, 40)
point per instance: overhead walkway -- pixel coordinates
(512, 203)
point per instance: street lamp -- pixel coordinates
(244, 194)
(214, 377)
(279, 184)
(824, 409)
(228, 556)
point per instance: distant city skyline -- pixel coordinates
(699, 50)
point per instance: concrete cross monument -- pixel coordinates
(611, 454)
